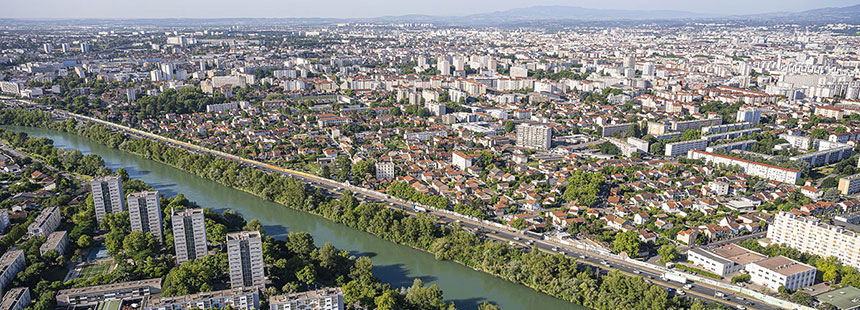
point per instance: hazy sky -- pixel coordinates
(367, 8)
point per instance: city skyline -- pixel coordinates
(101, 9)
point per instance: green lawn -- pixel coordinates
(93, 270)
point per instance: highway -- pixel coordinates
(502, 234)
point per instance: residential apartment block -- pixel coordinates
(57, 240)
(766, 171)
(681, 148)
(107, 196)
(324, 299)
(849, 185)
(810, 235)
(538, 137)
(384, 170)
(11, 263)
(16, 299)
(189, 235)
(245, 298)
(45, 223)
(245, 256)
(144, 212)
(92, 295)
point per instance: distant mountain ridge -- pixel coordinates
(528, 16)
(574, 12)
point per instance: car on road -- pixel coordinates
(517, 238)
(582, 257)
(562, 253)
(688, 287)
(555, 249)
(680, 293)
(741, 307)
(740, 298)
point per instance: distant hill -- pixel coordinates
(580, 13)
(530, 16)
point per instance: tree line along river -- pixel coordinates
(394, 264)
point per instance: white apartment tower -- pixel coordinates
(107, 196)
(245, 256)
(144, 212)
(537, 137)
(751, 115)
(189, 235)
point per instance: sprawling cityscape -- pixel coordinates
(504, 162)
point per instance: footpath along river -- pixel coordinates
(394, 264)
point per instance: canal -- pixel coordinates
(394, 264)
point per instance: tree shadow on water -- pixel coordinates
(398, 276)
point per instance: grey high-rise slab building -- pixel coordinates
(107, 196)
(144, 213)
(537, 137)
(245, 255)
(189, 235)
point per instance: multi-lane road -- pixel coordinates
(594, 259)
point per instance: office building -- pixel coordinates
(45, 223)
(107, 196)
(16, 299)
(245, 255)
(57, 241)
(781, 271)
(93, 295)
(11, 263)
(849, 185)
(324, 299)
(189, 235)
(538, 137)
(246, 298)
(65, 47)
(723, 260)
(144, 212)
(810, 235)
(85, 48)
(47, 48)
(384, 170)
(751, 115)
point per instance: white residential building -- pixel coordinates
(107, 196)
(810, 235)
(189, 235)
(11, 263)
(45, 223)
(245, 256)
(324, 299)
(384, 170)
(245, 298)
(538, 137)
(144, 212)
